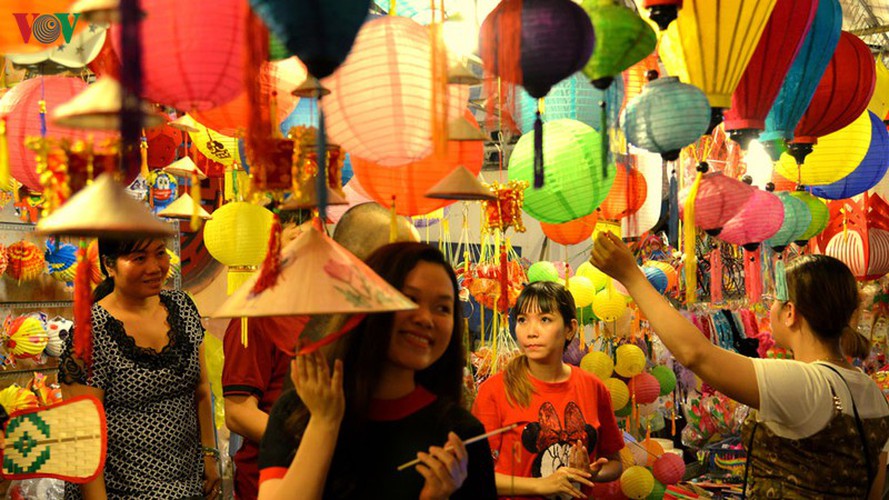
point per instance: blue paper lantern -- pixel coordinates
(61, 261)
(797, 219)
(805, 73)
(868, 173)
(574, 98)
(657, 278)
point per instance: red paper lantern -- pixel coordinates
(106, 63)
(193, 52)
(573, 231)
(669, 468)
(777, 48)
(646, 388)
(627, 194)
(163, 146)
(26, 261)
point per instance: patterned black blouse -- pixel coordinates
(154, 448)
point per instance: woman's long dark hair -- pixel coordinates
(109, 251)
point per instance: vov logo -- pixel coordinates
(46, 28)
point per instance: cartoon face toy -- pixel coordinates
(163, 189)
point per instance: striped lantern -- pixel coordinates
(797, 219)
(637, 481)
(645, 387)
(571, 232)
(637, 75)
(869, 172)
(26, 261)
(651, 167)
(598, 363)
(620, 393)
(859, 236)
(238, 236)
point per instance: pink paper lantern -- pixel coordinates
(646, 388)
(192, 52)
(719, 199)
(380, 105)
(669, 468)
(21, 105)
(758, 221)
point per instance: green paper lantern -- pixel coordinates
(665, 377)
(622, 40)
(797, 218)
(820, 215)
(543, 271)
(575, 182)
(658, 492)
(586, 316)
(624, 412)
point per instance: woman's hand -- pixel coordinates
(579, 458)
(613, 258)
(562, 482)
(443, 468)
(320, 392)
(212, 484)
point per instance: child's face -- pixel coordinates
(542, 335)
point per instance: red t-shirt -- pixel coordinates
(559, 414)
(256, 370)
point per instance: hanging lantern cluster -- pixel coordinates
(796, 221)
(868, 173)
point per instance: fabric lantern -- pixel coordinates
(657, 278)
(609, 305)
(591, 272)
(797, 219)
(759, 219)
(61, 261)
(627, 194)
(542, 271)
(623, 39)
(571, 232)
(206, 51)
(620, 394)
(719, 199)
(842, 95)
(645, 388)
(23, 111)
(637, 482)
(879, 103)
(276, 79)
(868, 173)
(26, 336)
(26, 261)
(576, 183)
(630, 361)
(574, 98)
(667, 116)
(650, 166)
(535, 44)
(238, 236)
(858, 235)
(669, 468)
(665, 377)
(582, 290)
(780, 42)
(805, 73)
(637, 76)
(819, 212)
(370, 123)
(404, 185)
(598, 363)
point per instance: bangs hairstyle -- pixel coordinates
(546, 297)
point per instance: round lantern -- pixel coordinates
(667, 116)
(657, 492)
(15, 398)
(759, 219)
(657, 278)
(61, 261)
(626, 457)
(797, 219)
(609, 305)
(867, 260)
(574, 98)
(637, 76)
(622, 37)
(573, 231)
(582, 290)
(820, 216)
(542, 271)
(57, 330)
(627, 194)
(163, 146)
(26, 336)
(879, 103)
(670, 271)
(591, 272)
(26, 261)
(650, 166)
(4, 259)
(665, 377)
(630, 361)
(620, 394)
(718, 200)
(805, 73)
(22, 109)
(868, 173)
(646, 388)
(190, 52)
(636, 482)
(784, 34)
(669, 468)
(647, 450)
(276, 80)
(575, 184)
(238, 236)
(598, 363)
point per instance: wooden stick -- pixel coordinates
(468, 441)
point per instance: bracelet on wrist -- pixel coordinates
(210, 452)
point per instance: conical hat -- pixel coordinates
(311, 87)
(98, 108)
(98, 11)
(183, 208)
(333, 198)
(461, 130)
(459, 74)
(184, 123)
(184, 167)
(318, 276)
(460, 185)
(104, 209)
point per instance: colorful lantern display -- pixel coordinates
(623, 39)
(868, 173)
(797, 219)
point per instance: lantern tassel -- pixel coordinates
(538, 152)
(715, 275)
(780, 278)
(321, 176)
(503, 303)
(196, 200)
(83, 303)
(603, 132)
(689, 233)
(393, 222)
(4, 158)
(271, 266)
(244, 331)
(753, 274)
(673, 221)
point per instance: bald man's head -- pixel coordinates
(365, 228)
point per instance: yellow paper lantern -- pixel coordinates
(626, 457)
(620, 393)
(879, 103)
(15, 398)
(598, 363)
(25, 336)
(711, 42)
(630, 361)
(238, 236)
(835, 155)
(582, 290)
(592, 273)
(609, 305)
(215, 146)
(637, 482)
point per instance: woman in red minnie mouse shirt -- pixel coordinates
(567, 436)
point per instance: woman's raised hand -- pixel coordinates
(612, 257)
(443, 468)
(321, 392)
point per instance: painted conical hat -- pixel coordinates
(98, 108)
(183, 208)
(460, 184)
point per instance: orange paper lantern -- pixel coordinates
(573, 231)
(26, 261)
(627, 193)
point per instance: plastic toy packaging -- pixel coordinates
(712, 418)
(36, 489)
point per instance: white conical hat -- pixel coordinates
(183, 208)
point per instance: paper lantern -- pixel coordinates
(805, 72)
(591, 272)
(575, 184)
(868, 173)
(630, 361)
(15, 398)
(4, 259)
(622, 37)
(859, 236)
(669, 468)
(205, 44)
(658, 492)
(879, 103)
(718, 200)
(759, 219)
(650, 166)
(726, 35)
(627, 194)
(636, 482)
(626, 457)
(645, 387)
(665, 377)
(163, 146)
(667, 116)
(381, 88)
(26, 261)
(598, 363)
(571, 232)
(582, 290)
(608, 491)
(238, 236)
(25, 336)
(819, 212)
(542, 271)
(609, 305)
(797, 219)
(646, 451)
(620, 394)
(778, 46)
(215, 146)
(670, 271)
(406, 184)
(61, 261)
(574, 98)
(835, 156)
(276, 80)
(657, 278)
(637, 76)
(57, 330)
